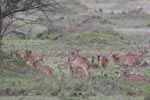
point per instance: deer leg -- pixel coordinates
(102, 72)
(122, 69)
(86, 72)
(120, 72)
(135, 69)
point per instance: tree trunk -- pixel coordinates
(1, 23)
(1, 38)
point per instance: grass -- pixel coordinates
(146, 24)
(24, 82)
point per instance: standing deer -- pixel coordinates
(79, 61)
(102, 61)
(129, 60)
(77, 70)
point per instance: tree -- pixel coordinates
(8, 9)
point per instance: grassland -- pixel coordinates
(93, 35)
(26, 83)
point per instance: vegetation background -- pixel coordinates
(95, 27)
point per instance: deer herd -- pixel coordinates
(78, 65)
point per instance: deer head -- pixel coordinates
(74, 53)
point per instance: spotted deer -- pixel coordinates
(17, 53)
(79, 61)
(77, 70)
(89, 10)
(46, 69)
(38, 63)
(131, 78)
(22, 56)
(30, 58)
(129, 60)
(102, 61)
(138, 10)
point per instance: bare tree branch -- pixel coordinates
(7, 26)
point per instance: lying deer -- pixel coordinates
(79, 61)
(138, 10)
(46, 69)
(131, 78)
(17, 53)
(32, 61)
(39, 65)
(22, 56)
(30, 58)
(129, 60)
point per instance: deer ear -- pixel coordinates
(78, 50)
(75, 51)
(71, 52)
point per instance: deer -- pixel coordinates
(30, 58)
(22, 56)
(77, 70)
(140, 9)
(131, 78)
(43, 68)
(129, 60)
(123, 12)
(79, 61)
(102, 61)
(46, 69)
(16, 53)
(38, 63)
(89, 10)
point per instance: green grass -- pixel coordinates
(24, 82)
(146, 24)
(19, 81)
